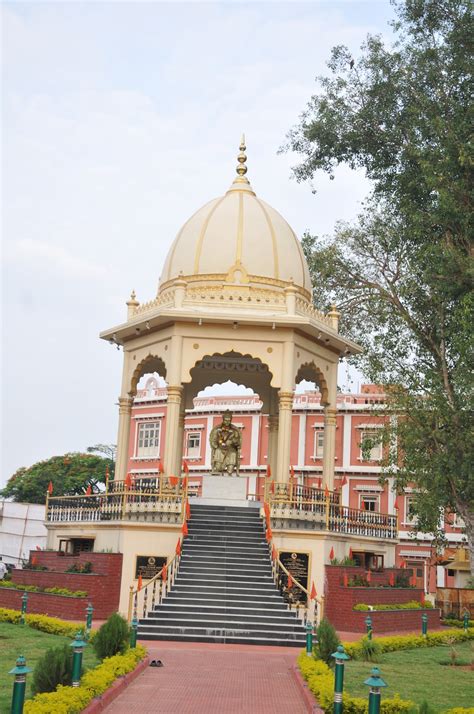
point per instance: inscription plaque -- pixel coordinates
(297, 565)
(148, 565)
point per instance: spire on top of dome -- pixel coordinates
(241, 182)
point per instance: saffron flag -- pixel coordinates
(313, 592)
(413, 581)
(362, 504)
(319, 482)
(274, 553)
(266, 510)
(369, 576)
(34, 560)
(391, 579)
(331, 554)
(139, 583)
(178, 547)
(184, 529)
(344, 481)
(292, 472)
(50, 488)
(290, 582)
(88, 490)
(188, 511)
(396, 505)
(185, 467)
(346, 580)
(164, 573)
(403, 564)
(269, 471)
(174, 481)
(107, 472)
(326, 492)
(272, 487)
(128, 481)
(350, 553)
(269, 535)
(161, 469)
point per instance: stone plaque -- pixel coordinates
(148, 565)
(297, 564)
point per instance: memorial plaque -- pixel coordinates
(298, 565)
(149, 565)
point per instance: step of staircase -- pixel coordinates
(224, 590)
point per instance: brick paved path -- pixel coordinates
(202, 678)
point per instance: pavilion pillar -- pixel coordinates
(173, 445)
(329, 449)
(123, 438)
(272, 448)
(179, 450)
(285, 401)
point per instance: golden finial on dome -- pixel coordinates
(242, 158)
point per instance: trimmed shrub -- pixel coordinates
(54, 668)
(409, 642)
(112, 638)
(52, 625)
(328, 641)
(411, 605)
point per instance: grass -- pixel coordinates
(418, 675)
(18, 640)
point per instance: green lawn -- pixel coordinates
(417, 675)
(21, 639)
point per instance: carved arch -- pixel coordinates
(311, 373)
(151, 363)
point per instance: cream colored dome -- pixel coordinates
(237, 239)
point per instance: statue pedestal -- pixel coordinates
(224, 491)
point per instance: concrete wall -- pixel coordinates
(21, 530)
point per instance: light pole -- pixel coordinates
(375, 682)
(19, 685)
(78, 645)
(340, 656)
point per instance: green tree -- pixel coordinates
(402, 273)
(70, 474)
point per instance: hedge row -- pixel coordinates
(72, 700)
(320, 680)
(39, 589)
(51, 625)
(411, 605)
(409, 642)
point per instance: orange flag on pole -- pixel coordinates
(403, 564)
(185, 467)
(290, 582)
(164, 572)
(266, 510)
(350, 553)
(326, 491)
(369, 576)
(269, 535)
(178, 547)
(174, 481)
(184, 529)
(274, 553)
(139, 583)
(331, 554)
(391, 579)
(50, 488)
(161, 469)
(128, 481)
(344, 481)
(272, 487)
(346, 580)
(188, 511)
(269, 471)
(292, 472)
(88, 490)
(313, 592)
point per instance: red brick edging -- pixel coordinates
(102, 702)
(309, 700)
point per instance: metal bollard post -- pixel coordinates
(19, 685)
(24, 605)
(340, 657)
(89, 612)
(133, 633)
(368, 624)
(78, 645)
(309, 638)
(375, 682)
(424, 624)
(465, 620)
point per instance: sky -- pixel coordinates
(118, 121)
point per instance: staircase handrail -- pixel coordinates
(171, 571)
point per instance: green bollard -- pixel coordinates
(375, 682)
(19, 685)
(133, 633)
(78, 644)
(465, 620)
(424, 624)
(309, 638)
(368, 624)
(340, 657)
(89, 612)
(24, 605)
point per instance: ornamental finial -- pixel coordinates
(242, 158)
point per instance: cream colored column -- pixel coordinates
(179, 451)
(173, 446)
(285, 412)
(272, 443)
(123, 438)
(329, 449)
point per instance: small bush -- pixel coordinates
(112, 638)
(328, 641)
(412, 605)
(425, 708)
(370, 650)
(83, 568)
(54, 668)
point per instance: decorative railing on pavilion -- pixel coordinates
(158, 499)
(304, 507)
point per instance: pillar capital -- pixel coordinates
(174, 394)
(125, 405)
(330, 414)
(273, 422)
(285, 400)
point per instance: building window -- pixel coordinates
(410, 516)
(457, 521)
(370, 446)
(369, 502)
(148, 441)
(193, 444)
(318, 443)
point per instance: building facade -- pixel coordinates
(357, 473)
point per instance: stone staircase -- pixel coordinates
(224, 590)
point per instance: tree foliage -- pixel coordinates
(402, 273)
(70, 475)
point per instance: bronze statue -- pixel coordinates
(226, 441)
